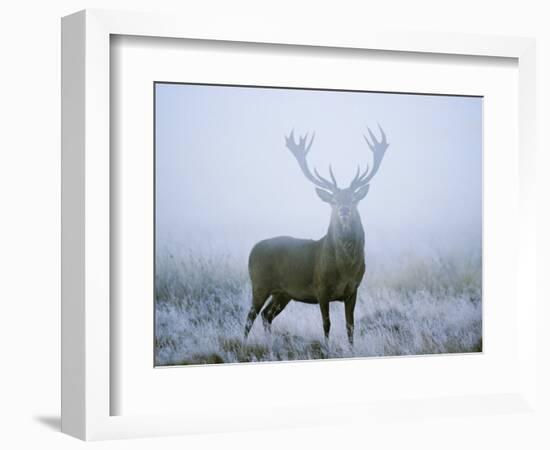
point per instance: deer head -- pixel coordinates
(343, 201)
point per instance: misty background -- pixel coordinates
(225, 180)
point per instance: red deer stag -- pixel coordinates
(316, 272)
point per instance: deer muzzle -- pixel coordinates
(344, 214)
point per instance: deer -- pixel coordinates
(285, 268)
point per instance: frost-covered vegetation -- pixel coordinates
(415, 305)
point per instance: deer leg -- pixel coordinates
(350, 308)
(266, 313)
(258, 300)
(326, 317)
(273, 309)
(282, 303)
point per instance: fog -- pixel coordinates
(225, 180)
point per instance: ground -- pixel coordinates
(412, 306)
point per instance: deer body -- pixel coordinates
(315, 271)
(305, 270)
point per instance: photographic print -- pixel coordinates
(303, 224)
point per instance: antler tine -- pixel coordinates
(358, 175)
(332, 175)
(378, 149)
(373, 138)
(300, 150)
(310, 142)
(384, 140)
(327, 183)
(289, 140)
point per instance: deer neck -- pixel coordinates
(347, 244)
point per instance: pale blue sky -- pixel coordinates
(226, 180)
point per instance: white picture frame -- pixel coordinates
(86, 244)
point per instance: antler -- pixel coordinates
(378, 149)
(300, 150)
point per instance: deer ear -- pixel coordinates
(361, 193)
(324, 195)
